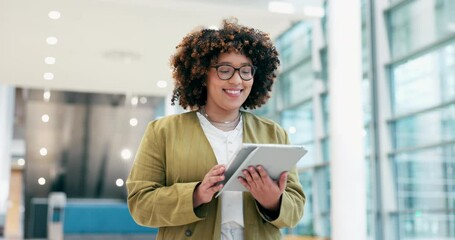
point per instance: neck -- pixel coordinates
(220, 117)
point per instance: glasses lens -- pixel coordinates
(246, 72)
(225, 72)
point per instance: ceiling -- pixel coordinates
(114, 46)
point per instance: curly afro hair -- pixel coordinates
(200, 49)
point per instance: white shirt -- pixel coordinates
(225, 145)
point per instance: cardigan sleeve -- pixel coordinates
(150, 202)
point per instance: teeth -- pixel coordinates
(233, 91)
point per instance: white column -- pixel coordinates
(348, 193)
(6, 134)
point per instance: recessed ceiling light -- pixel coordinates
(43, 151)
(133, 122)
(126, 154)
(51, 40)
(48, 76)
(119, 182)
(49, 60)
(47, 95)
(161, 84)
(134, 101)
(41, 181)
(143, 100)
(54, 15)
(45, 118)
(281, 7)
(21, 162)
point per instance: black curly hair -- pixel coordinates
(200, 49)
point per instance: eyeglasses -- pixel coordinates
(225, 72)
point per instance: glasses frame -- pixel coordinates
(253, 71)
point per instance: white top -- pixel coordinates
(225, 145)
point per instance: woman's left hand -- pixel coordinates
(263, 188)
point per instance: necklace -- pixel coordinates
(225, 125)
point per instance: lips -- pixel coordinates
(233, 92)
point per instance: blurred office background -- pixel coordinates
(80, 80)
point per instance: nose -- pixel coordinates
(236, 79)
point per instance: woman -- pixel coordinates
(181, 159)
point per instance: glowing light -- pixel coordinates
(143, 100)
(119, 182)
(48, 76)
(51, 40)
(54, 15)
(133, 122)
(134, 101)
(49, 60)
(126, 154)
(292, 130)
(45, 118)
(41, 181)
(43, 151)
(161, 84)
(47, 95)
(21, 162)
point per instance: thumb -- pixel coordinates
(283, 180)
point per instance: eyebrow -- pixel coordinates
(229, 63)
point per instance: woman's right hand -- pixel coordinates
(209, 186)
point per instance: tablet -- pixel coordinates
(275, 158)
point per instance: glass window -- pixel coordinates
(424, 81)
(415, 130)
(269, 108)
(295, 45)
(324, 66)
(325, 113)
(422, 225)
(297, 84)
(322, 211)
(425, 181)
(366, 100)
(306, 225)
(299, 123)
(419, 23)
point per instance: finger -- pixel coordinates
(255, 175)
(217, 169)
(249, 179)
(262, 172)
(216, 188)
(282, 181)
(213, 180)
(244, 183)
(247, 176)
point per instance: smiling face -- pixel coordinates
(227, 96)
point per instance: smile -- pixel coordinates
(231, 91)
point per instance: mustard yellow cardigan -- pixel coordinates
(173, 157)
